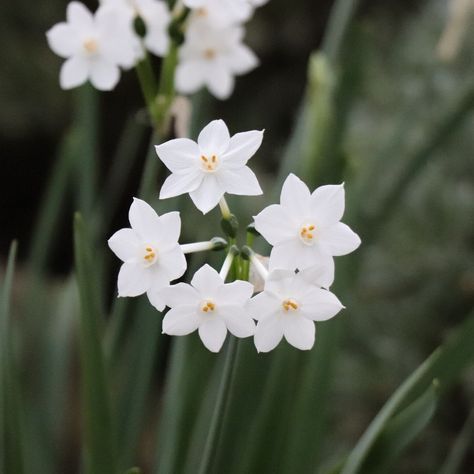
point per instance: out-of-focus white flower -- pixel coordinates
(93, 45)
(257, 3)
(156, 17)
(305, 228)
(150, 251)
(220, 13)
(209, 305)
(215, 165)
(210, 57)
(287, 308)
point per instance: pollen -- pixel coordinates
(307, 233)
(290, 305)
(209, 163)
(150, 255)
(208, 306)
(91, 46)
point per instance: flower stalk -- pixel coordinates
(226, 266)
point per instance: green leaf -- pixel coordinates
(11, 442)
(446, 364)
(100, 448)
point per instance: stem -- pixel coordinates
(227, 264)
(208, 456)
(224, 207)
(147, 81)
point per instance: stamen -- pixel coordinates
(209, 164)
(307, 234)
(290, 305)
(208, 306)
(90, 45)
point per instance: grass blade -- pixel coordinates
(98, 431)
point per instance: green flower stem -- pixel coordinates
(147, 80)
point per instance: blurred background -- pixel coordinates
(408, 61)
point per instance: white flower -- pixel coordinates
(220, 13)
(288, 307)
(93, 45)
(304, 228)
(156, 16)
(209, 305)
(150, 251)
(215, 165)
(210, 57)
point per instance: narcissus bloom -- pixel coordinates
(94, 47)
(288, 307)
(156, 17)
(305, 227)
(150, 251)
(210, 57)
(220, 13)
(210, 306)
(215, 165)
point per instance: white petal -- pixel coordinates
(208, 194)
(321, 274)
(299, 332)
(190, 76)
(275, 224)
(79, 16)
(207, 281)
(238, 322)
(104, 75)
(157, 42)
(74, 72)
(144, 220)
(179, 155)
(268, 334)
(133, 279)
(262, 305)
(177, 184)
(242, 60)
(242, 182)
(125, 244)
(237, 293)
(295, 196)
(172, 261)
(320, 305)
(327, 204)
(220, 83)
(155, 299)
(292, 255)
(63, 40)
(181, 320)
(160, 278)
(214, 138)
(242, 147)
(170, 224)
(212, 334)
(338, 239)
(180, 294)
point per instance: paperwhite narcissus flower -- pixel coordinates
(305, 228)
(150, 251)
(210, 57)
(156, 16)
(220, 13)
(209, 305)
(93, 45)
(215, 165)
(287, 308)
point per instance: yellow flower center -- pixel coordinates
(150, 255)
(208, 306)
(290, 305)
(209, 164)
(201, 11)
(209, 53)
(90, 45)
(307, 234)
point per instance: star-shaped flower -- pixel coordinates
(305, 228)
(288, 307)
(220, 13)
(94, 47)
(210, 57)
(215, 165)
(210, 306)
(150, 251)
(156, 16)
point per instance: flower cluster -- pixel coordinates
(117, 36)
(304, 230)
